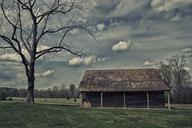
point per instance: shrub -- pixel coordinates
(3, 95)
(10, 99)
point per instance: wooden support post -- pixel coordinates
(124, 100)
(168, 100)
(81, 100)
(148, 100)
(101, 99)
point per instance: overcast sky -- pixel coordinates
(129, 34)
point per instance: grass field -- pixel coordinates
(59, 101)
(45, 114)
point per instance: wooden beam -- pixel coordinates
(101, 99)
(81, 99)
(168, 100)
(148, 100)
(124, 100)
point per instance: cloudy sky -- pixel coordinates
(129, 34)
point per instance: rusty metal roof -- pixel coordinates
(122, 80)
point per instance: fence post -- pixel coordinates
(148, 100)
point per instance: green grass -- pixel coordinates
(21, 115)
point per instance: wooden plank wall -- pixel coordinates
(113, 99)
(136, 99)
(132, 99)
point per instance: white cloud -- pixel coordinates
(42, 47)
(75, 61)
(166, 5)
(158, 5)
(74, 31)
(187, 50)
(176, 18)
(101, 27)
(149, 63)
(121, 46)
(89, 60)
(86, 60)
(103, 59)
(187, 69)
(10, 57)
(82, 61)
(14, 57)
(47, 73)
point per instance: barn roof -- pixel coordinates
(122, 80)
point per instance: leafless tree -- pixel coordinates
(166, 72)
(26, 35)
(175, 73)
(180, 73)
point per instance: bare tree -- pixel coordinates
(166, 72)
(28, 24)
(180, 73)
(175, 72)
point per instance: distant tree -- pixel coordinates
(175, 72)
(55, 92)
(22, 92)
(180, 73)
(3, 95)
(13, 92)
(55, 88)
(63, 90)
(63, 87)
(48, 93)
(72, 89)
(10, 99)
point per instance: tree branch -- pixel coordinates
(57, 49)
(6, 47)
(58, 7)
(26, 45)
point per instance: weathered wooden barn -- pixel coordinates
(123, 88)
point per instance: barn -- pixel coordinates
(123, 88)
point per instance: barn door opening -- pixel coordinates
(113, 99)
(136, 99)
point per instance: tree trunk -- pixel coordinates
(31, 81)
(30, 95)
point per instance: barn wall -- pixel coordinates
(139, 99)
(156, 99)
(116, 99)
(136, 99)
(113, 99)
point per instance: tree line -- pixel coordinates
(54, 92)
